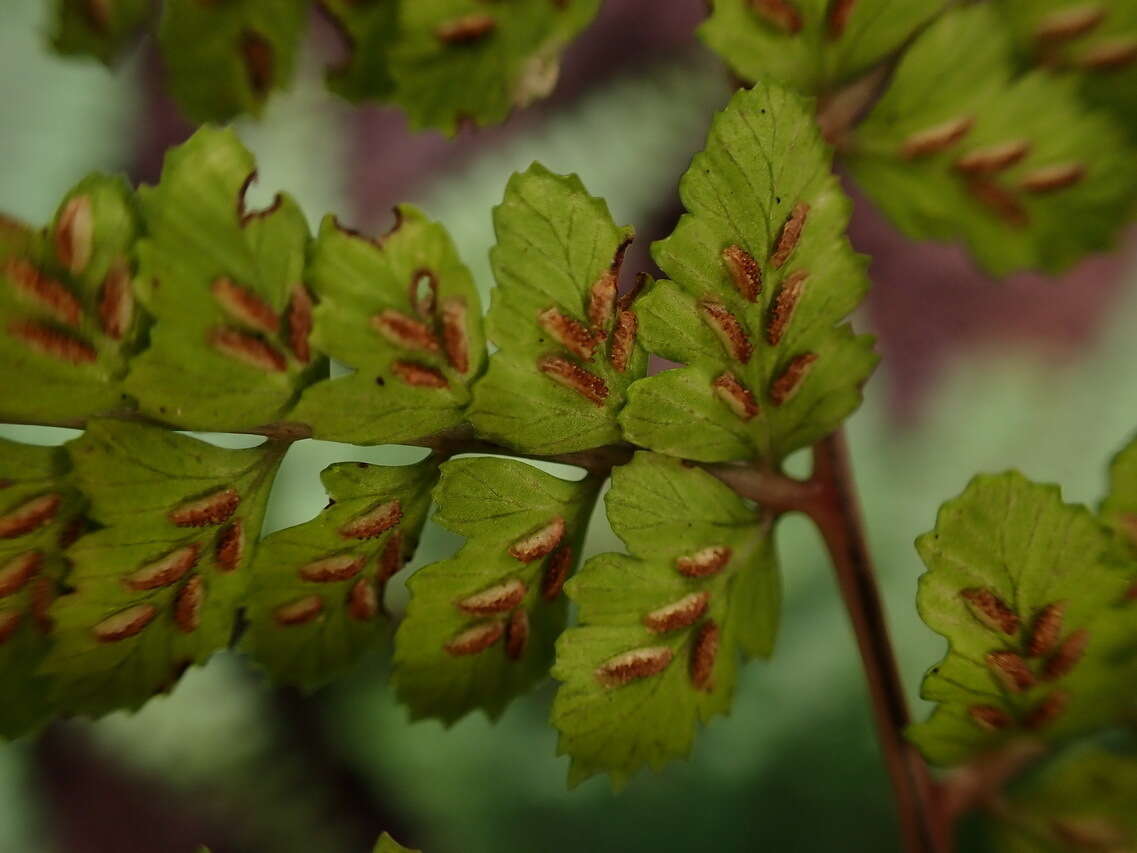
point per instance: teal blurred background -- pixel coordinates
(978, 376)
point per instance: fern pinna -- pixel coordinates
(134, 551)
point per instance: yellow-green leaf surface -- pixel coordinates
(811, 45)
(662, 628)
(1119, 509)
(1083, 801)
(465, 60)
(316, 602)
(480, 627)
(157, 588)
(386, 844)
(229, 349)
(567, 345)
(368, 29)
(403, 313)
(39, 511)
(762, 281)
(98, 28)
(1032, 598)
(1016, 167)
(224, 59)
(67, 307)
(1095, 41)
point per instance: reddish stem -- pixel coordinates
(837, 515)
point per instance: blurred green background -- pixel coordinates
(227, 761)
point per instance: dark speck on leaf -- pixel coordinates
(379, 380)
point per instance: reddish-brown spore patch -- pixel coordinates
(213, 509)
(574, 377)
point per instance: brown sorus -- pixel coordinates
(116, 300)
(570, 333)
(634, 665)
(363, 600)
(498, 598)
(207, 511)
(230, 547)
(838, 19)
(299, 612)
(188, 604)
(787, 384)
(542, 541)
(374, 522)
(557, 569)
(744, 271)
(704, 562)
(97, 13)
(164, 571)
(703, 654)
(778, 13)
(639, 282)
(517, 634)
(991, 610)
(47, 294)
(990, 718)
(736, 395)
(125, 624)
(998, 200)
(75, 234)
(1046, 711)
(791, 234)
(9, 622)
(992, 158)
(575, 378)
(1046, 630)
(623, 340)
(1110, 55)
(1067, 655)
(403, 331)
(248, 349)
(43, 596)
(71, 531)
(1011, 670)
(300, 323)
(783, 305)
(466, 29)
(18, 571)
(340, 567)
(256, 51)
(682, 613)
(602, 299)
(455, 337)
(1065, 24)
(419, 375)
(30, 515)
(1050, 178)
(391, 558)
(245, 306)
(476, 639)
(728, 330)
(52, 342)
(936, 138)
